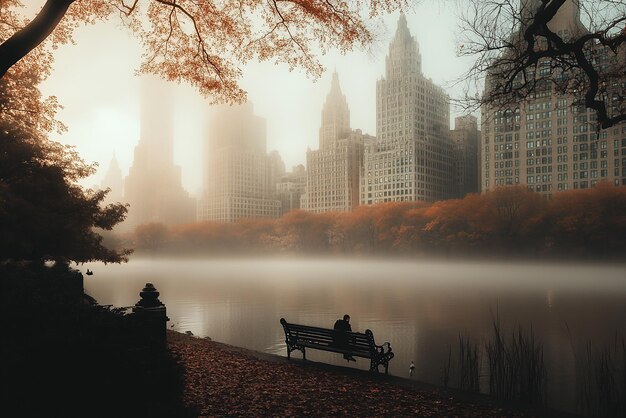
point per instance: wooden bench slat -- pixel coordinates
(348, 347)
(296, 326)
(316, 330)
(330, 339)
(355, 353)
(328, 332)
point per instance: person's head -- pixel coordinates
(346, 318)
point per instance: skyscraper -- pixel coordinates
(113, 180)
(335, 116)
(290, 188)
(411, 158)
(240, 175)
(153, 187)
(333, 171)
(548, 142)
(466, 143)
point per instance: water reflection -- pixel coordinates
(421, 307)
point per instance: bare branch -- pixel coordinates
(526, 51)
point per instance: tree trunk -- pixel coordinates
(30, 36)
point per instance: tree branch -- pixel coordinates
(30, 36)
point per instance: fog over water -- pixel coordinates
(419, 306)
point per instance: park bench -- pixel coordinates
(357, 344)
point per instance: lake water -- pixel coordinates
(419, 306)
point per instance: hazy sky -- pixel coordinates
(95, 82)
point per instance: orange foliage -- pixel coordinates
(204, 43)
(590, 220)
(511, 220)
(456, 224)
(151, 236)
(304, 231)
(410, 234)
(387, 219)
(21, 103)
(515, 209)
(355, 231)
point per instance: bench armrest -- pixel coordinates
(381, 348)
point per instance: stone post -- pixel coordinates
(151, 318)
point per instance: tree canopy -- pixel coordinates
(44, 213)
(204, 42)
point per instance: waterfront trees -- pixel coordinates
(507, 221)
(44, 213)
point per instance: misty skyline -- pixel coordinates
(106, 120)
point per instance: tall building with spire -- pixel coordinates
(335, 115)
(412, 156)
(332, 176)
(241, 177)
(548, 141)
(153, 187)
(114, 181)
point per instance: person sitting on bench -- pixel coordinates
(341, 327)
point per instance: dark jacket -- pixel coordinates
(341, 325)
(340, 338)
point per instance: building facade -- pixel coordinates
(290, 188)
(466, 145)
(153, 187)
(113, 180)
(412, 157)
(548, 142)
(333, 171)
(240, 175)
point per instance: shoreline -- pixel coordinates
(361, 392)
(407, 258)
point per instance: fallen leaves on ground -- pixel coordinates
(221, 380)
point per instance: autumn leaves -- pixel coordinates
(506, 221)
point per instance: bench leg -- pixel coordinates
(294, 347)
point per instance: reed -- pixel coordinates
(516, 366)
(601, 379)
(447, 369)
(469, 365)
(464, 372)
